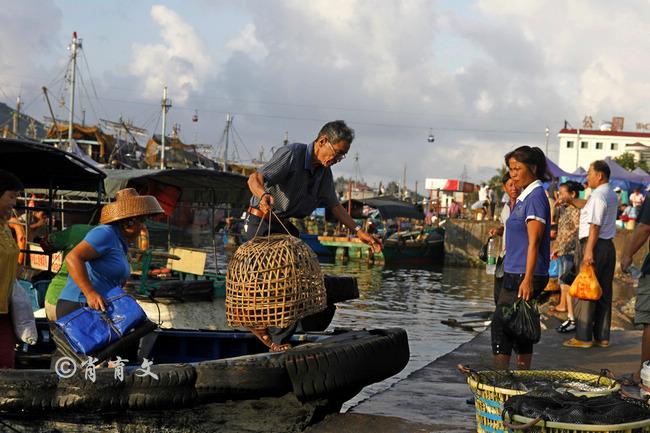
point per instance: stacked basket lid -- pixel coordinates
(493, 388)
(275, 281)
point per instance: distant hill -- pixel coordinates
(6, 113)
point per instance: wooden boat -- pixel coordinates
(415, 247)
(198, 372)
(411, 247)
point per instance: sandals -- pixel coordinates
(265, 338)
(574, 342)
(567, 326)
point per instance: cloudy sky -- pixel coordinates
(484, 76)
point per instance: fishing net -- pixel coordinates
(561, 381)
(551, 405)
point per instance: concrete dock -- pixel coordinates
(433, 399)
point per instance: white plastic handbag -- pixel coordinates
(22, 315)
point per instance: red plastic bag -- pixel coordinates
(586, 285)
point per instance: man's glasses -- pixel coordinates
(338, 156)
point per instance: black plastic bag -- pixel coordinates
(522, 319)
(483, 253)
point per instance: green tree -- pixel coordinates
(392, 188)
(626, 160)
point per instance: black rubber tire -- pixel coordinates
(347, 361)
(255, 376)
(173, 388)
(30, 390)
(319, 321)
(340, 288)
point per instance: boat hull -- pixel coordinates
(197, 368)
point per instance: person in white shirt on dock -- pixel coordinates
(596, 231)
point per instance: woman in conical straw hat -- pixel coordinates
(100, 262)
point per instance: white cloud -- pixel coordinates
(485, 76)
(28, 39)
(248, 43)
(181, 62)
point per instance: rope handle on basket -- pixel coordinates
(526, 426)
(269, 224)
(468, 371)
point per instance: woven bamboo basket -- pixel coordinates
(273, 280)
(489, 399)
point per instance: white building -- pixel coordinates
(580, 147)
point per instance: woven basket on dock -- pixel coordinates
(275, 281)
(489, 398)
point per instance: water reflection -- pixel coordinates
(416, 300)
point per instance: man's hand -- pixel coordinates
(96, 301)
(626, 261)
(525, 290)
(374, 242)
(588, 258)
(497, 231)
(266, 203)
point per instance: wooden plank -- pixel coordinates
(191, 261)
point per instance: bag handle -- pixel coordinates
(526, 426)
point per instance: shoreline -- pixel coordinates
(433, 398)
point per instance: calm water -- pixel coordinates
(415, 299)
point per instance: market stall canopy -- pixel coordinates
(579, 172)
(641, 172)
(624, 179)
(555, 170)
(40, 165)
(190, 185)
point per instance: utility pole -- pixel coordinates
(165, 104)
(404, 182)
(578, 149)
(16, 117)
(225, 150)
(546, 133)
(285, 140)
(74, 46)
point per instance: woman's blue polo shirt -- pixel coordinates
(532, 204)
(110, 269)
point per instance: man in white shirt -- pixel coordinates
(597, 229)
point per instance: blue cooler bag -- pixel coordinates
(88, 330)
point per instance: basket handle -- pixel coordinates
(468, 371)
(526, 426)
(269, 224)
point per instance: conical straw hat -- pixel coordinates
(128, 204)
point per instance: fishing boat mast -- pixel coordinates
(74, 46)
(227, 134)
(165, 105)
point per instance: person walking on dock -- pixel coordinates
(596, 231)
(528, 250)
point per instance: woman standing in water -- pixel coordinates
(528, 247)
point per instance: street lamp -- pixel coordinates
(546, 133)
